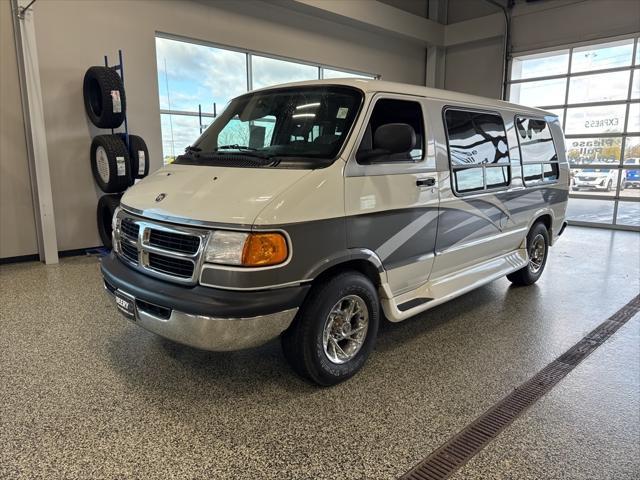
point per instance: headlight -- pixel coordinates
(114, 219)
(246, 249)
(225, 247)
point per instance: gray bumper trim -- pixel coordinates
(216, 334)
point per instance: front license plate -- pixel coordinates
(126, 304)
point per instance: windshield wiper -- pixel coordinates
(235, 146)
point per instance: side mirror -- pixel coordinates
(395, 138)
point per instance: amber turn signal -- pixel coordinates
(261, 249)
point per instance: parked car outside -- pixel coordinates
(604, 179)
(631, 178)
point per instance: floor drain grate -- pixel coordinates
(460, 448)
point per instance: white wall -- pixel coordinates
(477, 67)
(561, 22)
(74, 35)
(17, 220)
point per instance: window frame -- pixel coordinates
(452, 168)
(523, 163)
(372, 108)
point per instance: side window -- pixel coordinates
(537, 151)
(395, 133)
(478, 150)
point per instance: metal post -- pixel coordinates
(126, 123)
(36, 140)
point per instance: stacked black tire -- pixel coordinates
(116, 162)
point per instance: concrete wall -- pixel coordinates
(17, 220)
(74, 35)
(416, 7)
(477, 67)
(549, 24)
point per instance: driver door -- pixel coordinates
(392, 203)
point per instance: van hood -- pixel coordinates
(209, 194)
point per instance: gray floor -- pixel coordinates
(86, 394)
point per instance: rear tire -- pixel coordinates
(334, 330)
(537, 252)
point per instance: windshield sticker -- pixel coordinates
(342, 112)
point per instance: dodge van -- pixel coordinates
(310, 211)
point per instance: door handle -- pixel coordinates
(426, 182)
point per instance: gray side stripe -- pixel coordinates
(400, 238)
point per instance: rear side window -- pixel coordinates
(537, 151)
(478, 150)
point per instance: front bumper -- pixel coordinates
(202, 317)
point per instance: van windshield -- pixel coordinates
(295, 127)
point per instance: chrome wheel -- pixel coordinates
(345, 329)
(537, 252)
(102, 163)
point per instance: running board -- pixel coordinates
(403, 307)
(443, 289)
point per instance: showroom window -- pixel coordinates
(595, 91)
(196, 80)
(478, 150)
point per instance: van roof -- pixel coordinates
(375, 86)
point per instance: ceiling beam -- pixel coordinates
(379, 17)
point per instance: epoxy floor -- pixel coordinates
(84, 394)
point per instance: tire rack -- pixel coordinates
(120, 69)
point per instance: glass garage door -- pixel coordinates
(595, 90)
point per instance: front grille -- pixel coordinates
(160, 249)
(129, 229)
(130, 252)
(176, 242)
(171, 266)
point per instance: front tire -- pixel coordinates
(537, 252)
(334, 330)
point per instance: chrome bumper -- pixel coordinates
(211, 333)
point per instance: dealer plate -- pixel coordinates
(126, 304)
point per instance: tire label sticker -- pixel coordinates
(115, 100)
(141, 162)
(120, 165)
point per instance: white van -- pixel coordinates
(306, 210)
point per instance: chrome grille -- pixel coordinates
(158, 249)
(130, 252)
(175, 242)
(171, 266)
(130, 229)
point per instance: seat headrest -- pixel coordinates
(395, 137)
